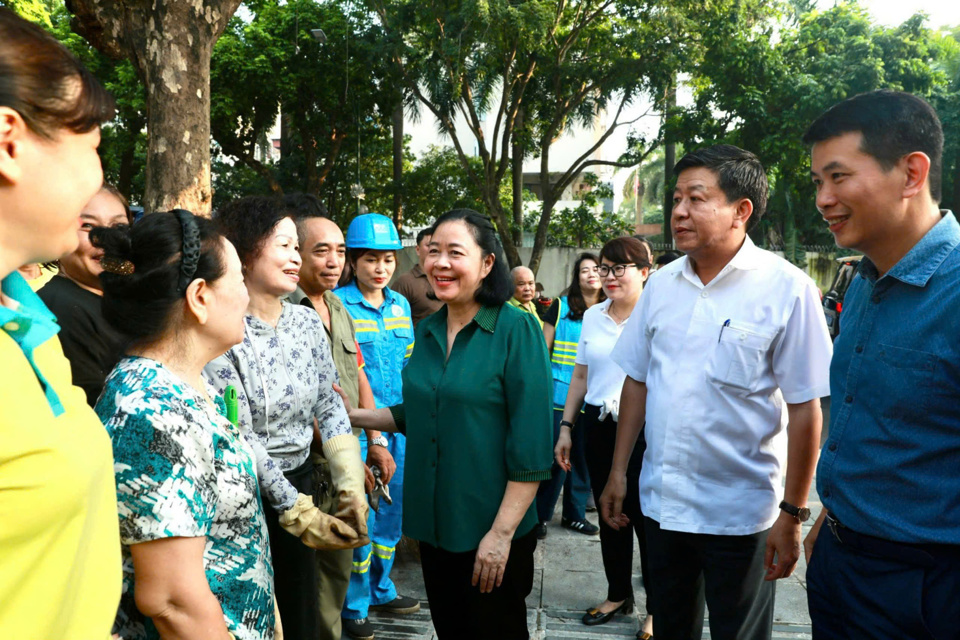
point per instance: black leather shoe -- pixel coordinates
(594, 617)
(541, 531)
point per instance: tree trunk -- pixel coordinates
(540, 239)
(398, 164)
(669, 159)
(491, 198)
(516, 157)
(169, 44)
(640, 188)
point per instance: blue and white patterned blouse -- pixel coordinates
(284, 378)
(183, 470)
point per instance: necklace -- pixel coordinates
(613, 314)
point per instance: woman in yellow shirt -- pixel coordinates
(59, 538)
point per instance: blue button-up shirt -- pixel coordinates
(891, 465)
(385, 336)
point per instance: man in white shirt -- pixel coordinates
(726, 347)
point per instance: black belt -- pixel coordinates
(923, 555)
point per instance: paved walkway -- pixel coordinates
(569, 579)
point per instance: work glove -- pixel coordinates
(316, 529)
(346, 468)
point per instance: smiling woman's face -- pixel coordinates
(276, 270)
(455, 264)
(83, 264)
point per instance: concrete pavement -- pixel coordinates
(569, 579)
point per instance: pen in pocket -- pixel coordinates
(722, 327)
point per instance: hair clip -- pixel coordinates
(119, 266)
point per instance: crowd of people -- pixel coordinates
(220, 428)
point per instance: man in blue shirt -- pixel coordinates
(885, 553)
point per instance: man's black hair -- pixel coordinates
(739, 173)
(426, 231)
(893, 124)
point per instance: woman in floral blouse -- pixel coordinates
(196, 561)
(284, 373)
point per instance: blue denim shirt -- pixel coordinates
(891, 465)
(386, 340)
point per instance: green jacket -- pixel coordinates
(473, 421)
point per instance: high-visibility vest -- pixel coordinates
(564, 353)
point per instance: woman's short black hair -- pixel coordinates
(574, 294)
(626, 250)
(43, 82)
(497, 287)
(141, 304)
(248, 222)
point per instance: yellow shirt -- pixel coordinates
(60, 570)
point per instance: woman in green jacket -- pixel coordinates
(477, 415)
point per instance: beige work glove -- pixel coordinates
(316, 529)
(346, 468)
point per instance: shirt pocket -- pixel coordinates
(739, 358)
(366, 330)
(906, 377)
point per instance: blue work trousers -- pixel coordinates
(576, 484)
(370, 582)
(882, 593)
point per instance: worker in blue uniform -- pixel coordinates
(384, 330)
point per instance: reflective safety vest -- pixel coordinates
(564, 353)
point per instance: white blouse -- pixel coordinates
(598, 336)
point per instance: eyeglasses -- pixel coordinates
(618, 269)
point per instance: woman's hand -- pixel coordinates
(561, 452)
(491, 562)
(346, 400)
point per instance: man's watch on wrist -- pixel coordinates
(566, 423)
(380, 440)
(802, 514)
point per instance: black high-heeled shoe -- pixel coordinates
(594, 616)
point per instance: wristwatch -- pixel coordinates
(802, 514)
(379, 440)
(566, 423)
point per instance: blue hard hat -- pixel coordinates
(373, 231)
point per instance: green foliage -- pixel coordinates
(437, 183)
(33, 10)
(123, 142)
(761, 88)
(332, 95)
(585, 225)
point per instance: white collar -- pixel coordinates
(747, 258)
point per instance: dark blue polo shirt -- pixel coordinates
(891, 465)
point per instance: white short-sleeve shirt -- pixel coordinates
(598, 337)
(719, 362)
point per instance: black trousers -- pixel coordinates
(460, 611)
(726, 571)
(295, 577)
(616, 547)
